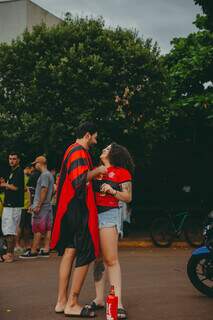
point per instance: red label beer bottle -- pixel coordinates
(112, 305)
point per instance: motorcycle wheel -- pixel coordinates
(200, 273)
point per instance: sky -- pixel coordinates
(160, 20)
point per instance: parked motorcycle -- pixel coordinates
(200, 264)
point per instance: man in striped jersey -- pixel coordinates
(75, 232)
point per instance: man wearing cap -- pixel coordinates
(41, 211)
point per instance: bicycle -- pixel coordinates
(165, 229)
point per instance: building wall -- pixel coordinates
(13, 19)
(17, 15)
(36, 15)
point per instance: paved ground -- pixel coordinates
(155, 287)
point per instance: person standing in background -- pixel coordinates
(24, 231)
(13, 204)
(41, 211)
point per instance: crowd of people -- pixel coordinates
(27, 198)
(79, 213)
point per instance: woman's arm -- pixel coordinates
(124, 195)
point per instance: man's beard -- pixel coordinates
(13, 165)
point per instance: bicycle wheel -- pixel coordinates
(193, 231)
(161, 232)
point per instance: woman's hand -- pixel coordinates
(106, 188)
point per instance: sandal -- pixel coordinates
(85, 313)
(122, 313)
(7, 259)
(93, 306)
(1, 259)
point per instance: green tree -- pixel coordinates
(205, 21)
(190, 65)
(53, 79)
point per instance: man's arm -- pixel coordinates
(43, 195)
(8, 186)
(16, 182)
(94, 173)
(42, 198)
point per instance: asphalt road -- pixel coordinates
(155, 286)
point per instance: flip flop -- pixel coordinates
(93, 306)
(8, 260)
(85, 313)
(122, 313)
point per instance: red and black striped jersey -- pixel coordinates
(76, 222)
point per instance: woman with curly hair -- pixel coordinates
(110, 188)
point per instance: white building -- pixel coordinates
(18, 15)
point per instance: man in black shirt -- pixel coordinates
(13, 204)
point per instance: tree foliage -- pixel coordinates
(53, 79)
(190, 65)
(205, 21)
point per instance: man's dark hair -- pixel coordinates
(84, 128)
(15, 153)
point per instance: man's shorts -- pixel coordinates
(10, 220)
(42, 222)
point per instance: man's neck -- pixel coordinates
(83, 143)
(43, 169)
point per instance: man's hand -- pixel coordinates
(8, 186)
(2, 181)
(4, 184)
(96, 172)
(37, 209)
(102, 170)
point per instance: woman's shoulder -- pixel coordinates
(123, 173)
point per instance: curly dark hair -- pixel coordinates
(119, 156)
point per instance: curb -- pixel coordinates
(149, 244)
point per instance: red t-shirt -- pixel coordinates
(115, 177)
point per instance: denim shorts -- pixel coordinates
(111, 218)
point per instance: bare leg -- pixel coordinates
(109, 247)
(27, 241)
(36, 242)
(64, 278)
(79, 276)
(9, 256)
(18, 237)
(100, 279)
(47, 241)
